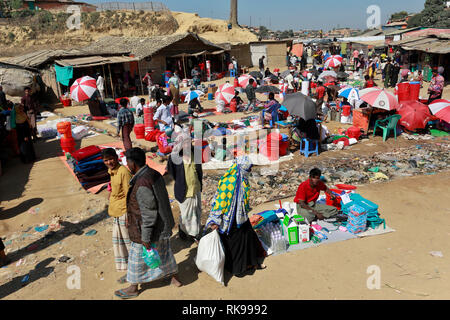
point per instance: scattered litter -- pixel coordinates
(41, 228)
(25, 279)
(64, 259)
(91, 232)
(21, 261)
(437, 254)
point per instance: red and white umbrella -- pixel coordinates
(379, 98)
(83, 88)
(225, 93)
(441, 109)
(244, 79)
(333, 61)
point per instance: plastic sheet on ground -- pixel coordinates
(257, 159)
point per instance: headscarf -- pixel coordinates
(231, 201)
(21, 116)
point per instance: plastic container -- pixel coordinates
(354, 132)
(64, 128)
(210, 96)
(346, 110)
(414, 90)
(403, 91)
(139, 131)
(67, 144)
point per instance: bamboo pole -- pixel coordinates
(140, 78)
(104, 78)
(184, 67)
(110, 78)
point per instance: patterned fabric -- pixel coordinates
(437, 86)
(121, 243)
(139, 272)
(232, 197)
(124, 116)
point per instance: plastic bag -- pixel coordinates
(211, 257)
(80, 132)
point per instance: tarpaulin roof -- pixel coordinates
(93, 61)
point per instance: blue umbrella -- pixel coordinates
(193, 94)
(349, 93)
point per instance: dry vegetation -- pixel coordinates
(49, 30)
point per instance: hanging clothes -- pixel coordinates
(63, 74)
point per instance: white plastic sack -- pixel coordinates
(210, 256)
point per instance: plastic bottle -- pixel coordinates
(151, 257)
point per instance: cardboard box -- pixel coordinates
(212, 89)
(303, 232)
(292, 233)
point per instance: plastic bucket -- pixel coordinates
(414, 91)
(354, 132)
(68, 144)
(139, 131)
(210, 96)
(346, 110)
(64, 128)
(403, 90)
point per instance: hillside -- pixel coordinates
(46, 30)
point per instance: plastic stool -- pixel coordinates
(307, 148)
(233, 73)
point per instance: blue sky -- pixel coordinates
(294, 14)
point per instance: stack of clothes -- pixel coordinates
(88, 166)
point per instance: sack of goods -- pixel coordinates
(211, 256)
(357, 219)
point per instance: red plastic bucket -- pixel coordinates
(414, 91)
(354, 132)
(403, 91)
(346, 110)
(139, 131)
(65, 128)
(68, 144)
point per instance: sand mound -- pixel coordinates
(214, 30)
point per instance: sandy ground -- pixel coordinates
(415, 207)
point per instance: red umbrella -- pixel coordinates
(83, 88)
(441, 109)
(415, 115)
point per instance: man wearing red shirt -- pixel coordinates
(320, 94)
(307, 194)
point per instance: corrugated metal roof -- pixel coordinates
(428, 44)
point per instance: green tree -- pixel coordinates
(263, 32)
(434, 14)
(16, 4)
(398, 15)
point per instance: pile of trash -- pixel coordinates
(267, 185)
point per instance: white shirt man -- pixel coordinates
(134, 101)
(163, 113)
(101, 86)
(290, 81)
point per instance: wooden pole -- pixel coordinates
(110, 78)
(140, 78)
(104, 78)
(184, 67)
